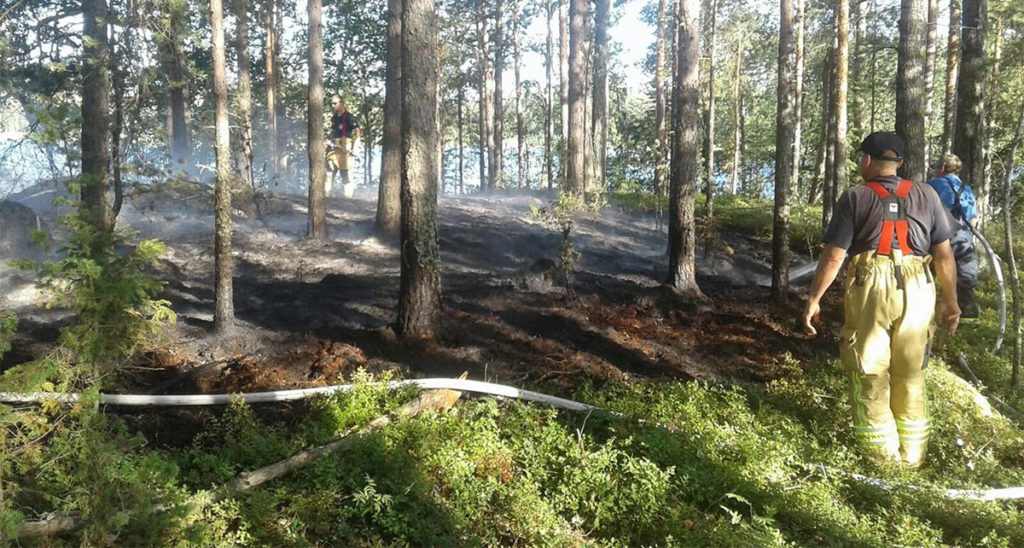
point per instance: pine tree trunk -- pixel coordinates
(839, 148)
(270, 30)
(798, 96)
(549, 106)
(1009, 258)
(990, 111)
(818, 181)
(563, 90)
(176, 67)
(483, 106)
(117, 54)
(602, 16)
(857, 87)
(389, 190)
(241, 9)
(224, 309)
(661, 129)
(952, 75)
(784, 137)
(317, 229)
(488, 95)
(497, 151)
(929, 78)
(709, 122)
(419, 302)
(95, 116)
(737, 113)
(910, 87)
(682, 275)
(520, 121)
(969, 142)
(462, 146)
(576, 167)
(588, 110)
(828, 198)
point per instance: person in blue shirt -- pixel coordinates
(958, 198)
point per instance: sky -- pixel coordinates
(630, 53)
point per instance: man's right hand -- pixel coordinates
(949, 315)
(811, 313)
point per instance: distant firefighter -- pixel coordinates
(344, 133)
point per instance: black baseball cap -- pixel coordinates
(878, 143)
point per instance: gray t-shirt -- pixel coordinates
(856, 224)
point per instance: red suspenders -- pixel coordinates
(894, 216)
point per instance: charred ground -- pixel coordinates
(311, 313)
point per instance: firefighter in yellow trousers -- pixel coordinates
(895, 232)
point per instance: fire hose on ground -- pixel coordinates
(462, 385)
(993, 261)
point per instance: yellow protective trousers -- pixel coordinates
(337, 162)
(884, 348)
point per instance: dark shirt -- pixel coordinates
(342, 125)
(856, 224)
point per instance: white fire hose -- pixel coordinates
(462, 385)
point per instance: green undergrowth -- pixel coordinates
(975, 338)
(749, 216)
(706, 465)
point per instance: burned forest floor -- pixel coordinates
(717, 422)
(311, 313)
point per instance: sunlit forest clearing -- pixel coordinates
(507, 272)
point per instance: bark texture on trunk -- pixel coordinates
(549, 106)
(95, 116)
(117, 71)
(990, 110)
(952, 75)
(784, 137)
(709, 120)
(481, 90)
(602, 16)
(1008, 220)
(682, 234)
(576, 167)
(487, 94)
(270, 51)
(175, 63)
(828, 144)
(241, 9)
(737, 114)
(969, 142)
(389, 190)
(563, 89)
(461, 99)
(839, 153)
(497, 150)
(798, 98)
(317, 229)
(858, 88)
(224, 309)
(521, 156)
(910, 87)
(419, 301)
(660, 127)
(929, 78)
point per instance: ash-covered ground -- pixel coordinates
(311, 313)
